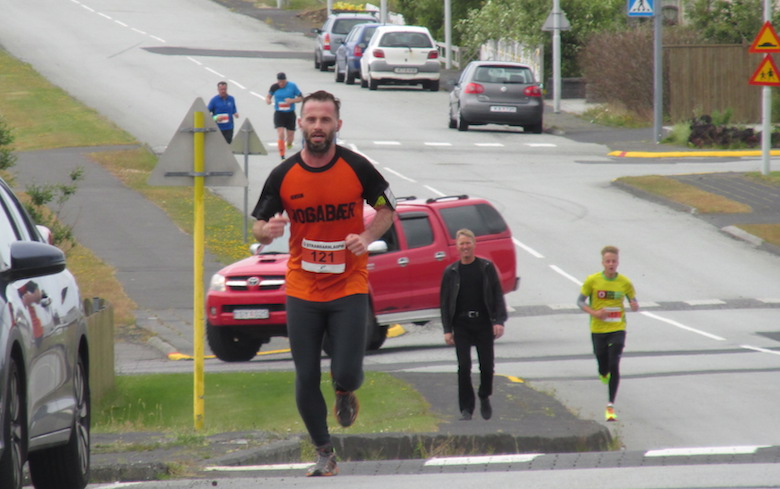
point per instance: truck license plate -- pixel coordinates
(251, 314)
(502, 108)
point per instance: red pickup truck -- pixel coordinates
(245, 304)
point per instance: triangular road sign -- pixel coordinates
(640, 8)
(563, 21)
(245, 141)
(175, 165)
(766, 41)
(766, 74)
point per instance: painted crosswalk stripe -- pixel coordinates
(486, 459)
(688, 452)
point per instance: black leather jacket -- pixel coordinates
(494, 295)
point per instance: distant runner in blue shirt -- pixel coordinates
(223, 108)
(284, 94)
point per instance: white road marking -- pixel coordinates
(437, 192)
(387, 143)
(566, 275)
(527, 248)
(215, 72)
(682, 326)
(541, 145)
(770, 300)
(399, 175)
(143, 33)
(438, 144)
(157, 38)
(479, 460)
(246, 468)
(562, 307)
(762, 350)
(687, 452)
(489, 145)
(242, 87)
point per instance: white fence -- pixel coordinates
(502, 50)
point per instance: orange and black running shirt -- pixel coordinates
(324, 206)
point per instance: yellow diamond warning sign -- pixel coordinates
(766, 74)
(766, 41)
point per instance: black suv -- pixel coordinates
(44, 359)
(332, 34)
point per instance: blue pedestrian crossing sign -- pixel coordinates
(640, 8)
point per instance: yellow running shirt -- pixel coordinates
(604, 293)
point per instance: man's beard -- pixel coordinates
(319, 148)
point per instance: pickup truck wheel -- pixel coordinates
(230, 345)
(13, 431)
(67, 465)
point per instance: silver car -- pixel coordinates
(497, 92)
(332, 34)
(44, 359)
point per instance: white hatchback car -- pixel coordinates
(401, 55)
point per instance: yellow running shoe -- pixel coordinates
(609, 413)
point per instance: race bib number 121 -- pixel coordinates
(324, 256)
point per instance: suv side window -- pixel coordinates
(417, 229)
(482, 219)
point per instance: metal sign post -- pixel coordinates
(247, 143)
(196, 160)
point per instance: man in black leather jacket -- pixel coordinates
(473, 313)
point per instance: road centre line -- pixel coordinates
(566, 275)
(247, 468)
(437, 192)
(242, 87)
(682, 326)
(387, 143)
(489, 145)
(399, 175)
(527, 248)
(215, 72)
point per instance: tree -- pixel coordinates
(726, 21)
(523, 21)
(430, 13)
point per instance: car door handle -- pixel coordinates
(440, 255)
(403, 261)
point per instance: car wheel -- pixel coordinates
(339, 75)
(534, 128)
(14, 431)
(372, 84)
(463, 124)
(363, 82)
(324, 66)
(67, 466)
(433, 85)
(230, 345)
(316, 61)
(453, 122)
(350, 80)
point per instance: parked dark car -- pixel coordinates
(348, 55)
(332, 34)
(44, 359)
(497, 92)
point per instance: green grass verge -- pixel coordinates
(261, 401)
